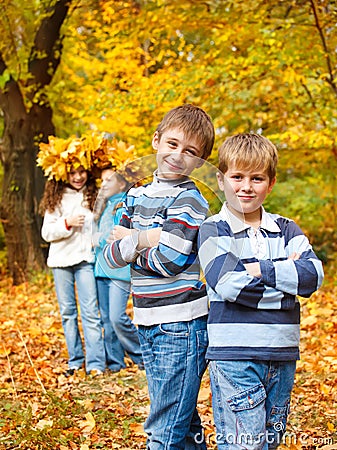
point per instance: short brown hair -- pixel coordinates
(248, 150)
(193, 121)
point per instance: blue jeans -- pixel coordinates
(174, 358)
(65, 279)
(251, 402)
(120, 334)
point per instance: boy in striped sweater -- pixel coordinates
(255, 264)
(170, 301)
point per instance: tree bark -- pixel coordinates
(25, 125)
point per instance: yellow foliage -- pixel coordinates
(91, 150)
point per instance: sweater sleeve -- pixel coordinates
(54, 227)
(225, 273)
(176, 249)
(120, 253)
(300, 277)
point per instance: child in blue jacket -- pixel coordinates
(114, 285)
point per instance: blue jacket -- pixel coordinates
(110, 217)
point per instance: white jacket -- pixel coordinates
(68, 247)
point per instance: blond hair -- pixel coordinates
(249, 151)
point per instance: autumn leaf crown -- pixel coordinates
(91, 151)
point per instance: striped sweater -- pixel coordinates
(250, 317)
(166, 284)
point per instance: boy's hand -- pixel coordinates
(253, 269)
(118, 233)
(148, 238)
(151, 237)
(294, 256)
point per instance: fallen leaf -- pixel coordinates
(44, 424)
(88, 424)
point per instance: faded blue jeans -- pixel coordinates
(251, 402)
(81, 275)
(174, 358)
(120, 334)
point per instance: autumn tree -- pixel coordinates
(263, 66)
(27, 120)
(269, 67)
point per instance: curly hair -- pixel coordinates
(53, 194)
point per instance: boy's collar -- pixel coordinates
(237, 225)
(158, 180)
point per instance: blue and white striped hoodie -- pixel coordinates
(166, 284)
(250, 317)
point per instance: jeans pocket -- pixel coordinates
(175, 329)
(249, 409)
(202, 343)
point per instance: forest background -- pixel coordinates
(70, 66)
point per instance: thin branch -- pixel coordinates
(331, 78)
(10, 371)
(31, 363)
(305, 87)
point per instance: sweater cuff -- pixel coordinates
(128, 247)
(68, 228)
(268, 272)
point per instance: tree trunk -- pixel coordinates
(22, 189)
(25, 125)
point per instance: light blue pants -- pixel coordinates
(81, 275)
(120, 334)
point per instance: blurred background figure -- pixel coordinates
(113, 285)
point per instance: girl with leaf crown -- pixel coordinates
(67, 206)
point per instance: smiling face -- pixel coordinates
(112, 183)
(177, 154)
(77, 178)
(245, 191)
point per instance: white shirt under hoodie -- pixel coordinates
(68, 247)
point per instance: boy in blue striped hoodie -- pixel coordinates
(255, 264)
(170, 300)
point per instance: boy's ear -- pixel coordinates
(271, 185)
(201, 162)
(221, 182)
(155, 141)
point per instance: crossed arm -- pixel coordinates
(266, 284)
(148, 238)
(254, 269)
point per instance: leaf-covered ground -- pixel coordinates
(41, 409)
